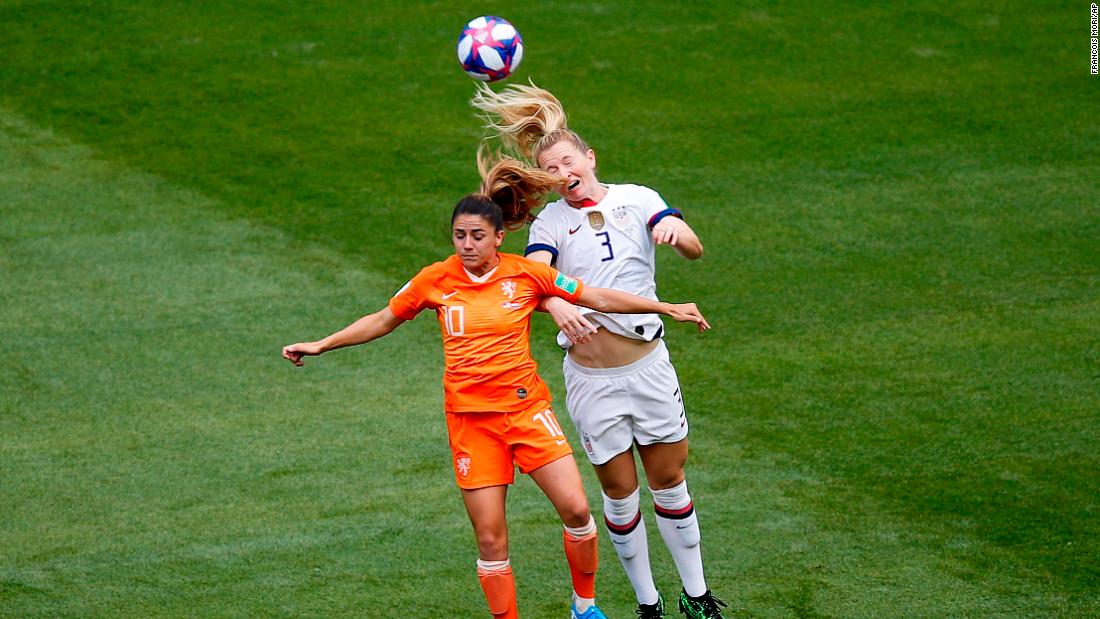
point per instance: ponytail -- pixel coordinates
(510, 190)
(513, 186)
(526, 118)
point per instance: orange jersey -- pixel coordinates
(486, 326)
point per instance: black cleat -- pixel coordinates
(705, 606)
(652, 611)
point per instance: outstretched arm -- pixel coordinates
(610, 300)
(367, 328)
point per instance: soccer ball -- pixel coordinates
(489, 48)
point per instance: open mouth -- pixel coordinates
(573, 185)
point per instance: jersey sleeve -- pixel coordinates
(553, 283)
(407, 302)
(542, 236)
(655, 209)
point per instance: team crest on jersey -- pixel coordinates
(595, 219)
(588, 443)
(462, 465)
(620, 216)
(508, 288)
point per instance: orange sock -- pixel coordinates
(500, 588)
(581, 554)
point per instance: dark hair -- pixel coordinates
(477, 204)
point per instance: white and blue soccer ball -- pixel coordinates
(489, 48)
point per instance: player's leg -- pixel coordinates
(618, 475)
(676, 518)
(625, 525)
(679, 524)
(542, 451)
(483, 470)
(661, 431)
(485, 506)
(561, 482)
(600, 403)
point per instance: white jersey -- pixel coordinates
(607, 245)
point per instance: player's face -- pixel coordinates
(576, 167)
(476, 241)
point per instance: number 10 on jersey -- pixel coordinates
(551, 422)
(454, 319)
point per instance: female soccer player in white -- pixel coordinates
(498, 409)
(621, 389)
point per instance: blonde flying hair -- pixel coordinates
(527, 119)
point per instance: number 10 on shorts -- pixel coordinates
(551, 422)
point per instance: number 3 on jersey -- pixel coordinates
(551, 422)
(606, 243)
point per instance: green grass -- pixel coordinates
(895, 416)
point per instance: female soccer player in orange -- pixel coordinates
(498, 409)
(622, 391)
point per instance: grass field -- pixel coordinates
(897, 413)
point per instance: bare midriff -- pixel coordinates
(610, 350)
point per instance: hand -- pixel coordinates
(687, 312)
(667, 231)
(295, 352)
(570, 320)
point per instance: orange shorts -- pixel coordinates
(486, 447)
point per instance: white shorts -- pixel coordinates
(615, 407)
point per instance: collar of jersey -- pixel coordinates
(587, 202)
(484, 278)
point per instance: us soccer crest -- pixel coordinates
(620, 216)
(595, 219)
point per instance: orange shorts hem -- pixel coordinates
(487, 447)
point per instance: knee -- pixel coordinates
(492, 545)
(619, 489)
(575, 514)
(663, 480)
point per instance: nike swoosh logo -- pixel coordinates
(449, 295)
(560, 441)
(574, 230)
(683, 527)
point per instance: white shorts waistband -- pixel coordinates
(658, 352)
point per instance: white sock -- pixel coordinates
(584, 530)
(493, 566)
(582, 604)
(627, 531)
(680, 530)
